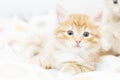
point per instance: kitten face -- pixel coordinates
(77, 31)
(113, 6)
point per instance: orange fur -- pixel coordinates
(77, 22)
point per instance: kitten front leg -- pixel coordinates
(44, 63)
(74, 68)
(47, 61)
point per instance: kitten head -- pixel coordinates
(113, 6)
(77, 31)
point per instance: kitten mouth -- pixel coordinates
(78, 46)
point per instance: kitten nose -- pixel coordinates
(77, 42)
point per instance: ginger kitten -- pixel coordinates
(74, 46)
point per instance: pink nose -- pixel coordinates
(77, 42)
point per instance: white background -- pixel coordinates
(28, 7)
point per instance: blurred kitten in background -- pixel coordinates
(110, 26)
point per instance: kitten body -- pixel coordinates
(110, 26)
(74, 46)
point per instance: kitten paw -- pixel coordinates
(74, 68)
(70, 69)
(44, 63)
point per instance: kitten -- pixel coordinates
(74, 46)
(110, 26)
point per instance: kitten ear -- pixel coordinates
(62, 14)
(98, 18)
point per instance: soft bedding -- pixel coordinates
(15, 31)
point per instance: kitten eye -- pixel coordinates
(115, 1)
(70, 32)
(86, 34)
